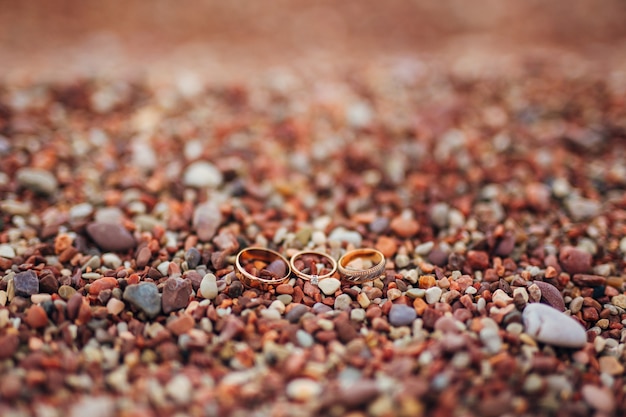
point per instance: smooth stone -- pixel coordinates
(342, 302)
(304, 339)
(180, 389)
(7, 251)
(296, 312)
(176, 293)
(341, 234)
(202, 174)
(26, 283)
(206, 220)
(551, 295)
(80, 211)
(208, 286)
(433, 294)
(329, 285)
(38, 180)
(115, 306)
(357, 314)
(401, 315)
(321, 308)
(598, 398)
(145, 297)
(111, 260)
(548, 325)
(574, 260)
(303, 389)
(111, 237)
(193, 258)
(490, 339)
(109, 215)
(65, 292)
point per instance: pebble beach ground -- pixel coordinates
(498, 202)
(496, 196)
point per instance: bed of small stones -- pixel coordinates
(498, 201)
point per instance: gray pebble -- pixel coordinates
(38, 180)
(145, 297)
(401, 315)
(193, 258)
(548, 325)
(26, 283)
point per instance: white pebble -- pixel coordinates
(303, 389)
(6, 251)
(329, 285)
(208, 286)
(433, 294)
(548, 325)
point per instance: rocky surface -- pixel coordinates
(498, 201)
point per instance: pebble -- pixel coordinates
(206, 220)
(433, 294)
(180, 389)
(303, 389)
(111, 236)
(9, 344)
(491, 339)
(145, 297)
(386, 245)
(7, 251)
(104, 283)
(26, 283)
(111, 260)
(582, 208)
(619, 300)
(342, 302)
(574, 260)
(295, 312)
(404, 226)
(193, 258)
(598, 398)
(176, 293)
(208, 286)
(181, 324)
(478, 260)
(341, 234)
(304, 339)
(401, 315)
(329, 285)
(551, 295)
(201, 174)
(610, 365)
(115, 306)
(93, 406)
(357, 314)
(143, 257)
(36, 317)
(65, 291)
(38, 180)
(548, 325)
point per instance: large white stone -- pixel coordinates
(202, 174)
(548, 325)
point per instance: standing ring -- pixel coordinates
(313, 266)
(260, 267)
(361, 265)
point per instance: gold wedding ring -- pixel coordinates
(361, 265)
(261, 268)
(311, 270)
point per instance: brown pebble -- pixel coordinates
(181, 324)
(8, 345)
(585, 280)
(111, 236)
(404, 227)
(101, 284)
(176, 293)
(284, 289)
(478, 260)
(36, 317)
(551, 295)
(574, 260)
(387, 245)
(143, 257)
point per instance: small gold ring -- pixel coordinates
(263, 262)
(310, 265)
(369, 257)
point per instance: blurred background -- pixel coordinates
(237, 38)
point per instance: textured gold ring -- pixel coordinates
(311, 269)
(260, 267)
(361, 265)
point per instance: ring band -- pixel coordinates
(264, 261)
(362, 275)
(313, 276)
